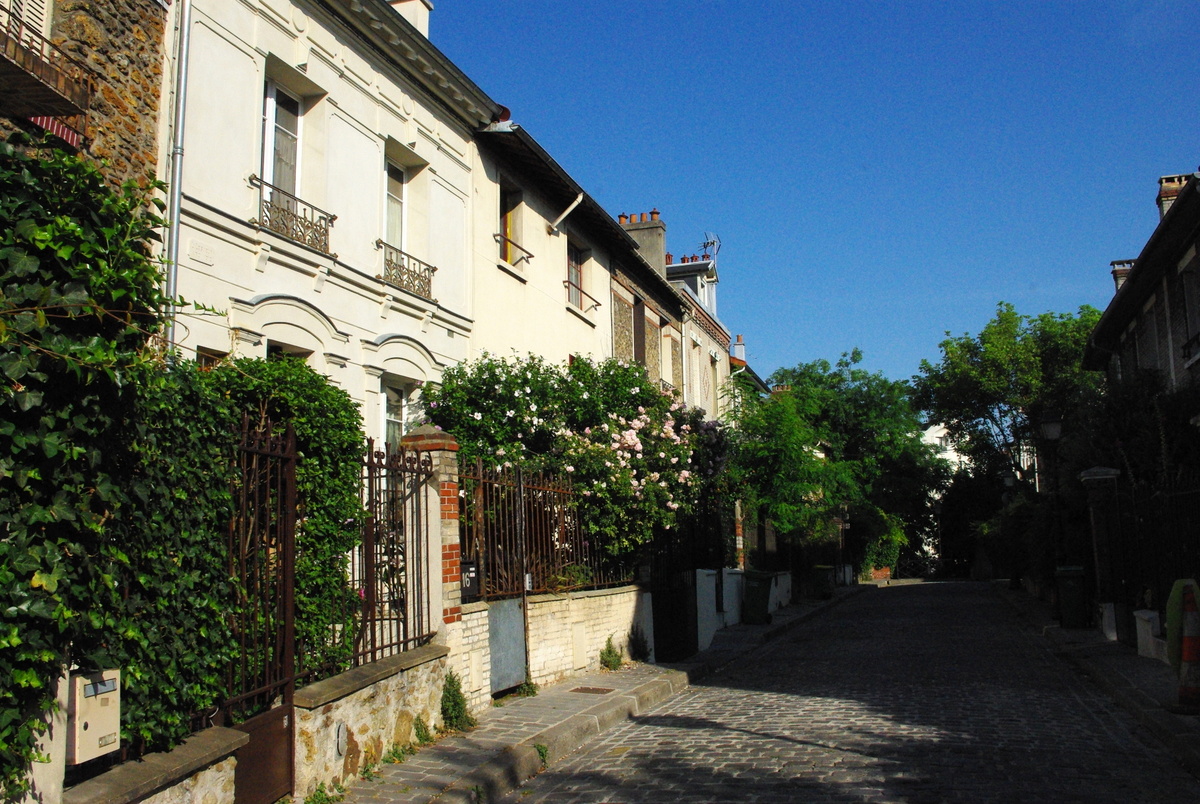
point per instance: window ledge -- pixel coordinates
(512, 270)
(582, 316)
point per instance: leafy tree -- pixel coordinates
(989, 389)
(836, 439)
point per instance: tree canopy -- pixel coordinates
(831, 441)
(989, 389)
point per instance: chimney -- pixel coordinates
(739, 349)
(650, 233)
(1169, 188)
(416, 12)
(1120, 271)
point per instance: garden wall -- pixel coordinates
(351, 720)
(567, 632)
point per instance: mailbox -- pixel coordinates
(470, 580)
(93, 715)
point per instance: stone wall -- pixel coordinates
(121, 43)
(212, 785)
(351, 720)
(622, 329)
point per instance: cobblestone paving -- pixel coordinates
(926, 693)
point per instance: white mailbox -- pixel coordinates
(93, 715)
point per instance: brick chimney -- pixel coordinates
(416, 12)
(651, 236)
(1169, 188)
(1120, 271)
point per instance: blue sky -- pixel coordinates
(879, 173)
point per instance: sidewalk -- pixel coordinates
(506, 747)
(1146, 688)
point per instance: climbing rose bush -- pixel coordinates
(636, 457)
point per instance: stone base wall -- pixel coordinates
(351, 720)
(212, 785)
(473, 656)
(567, 632)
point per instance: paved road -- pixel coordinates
(924, 693)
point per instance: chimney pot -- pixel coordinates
(654, 213)
(669, 256)
(642, 218)
(622, 219)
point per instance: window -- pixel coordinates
(209, 359)
(510, 203)
(575, 260)
(395, 408)
(397, 180)
(281, 127)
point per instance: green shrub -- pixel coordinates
(456, 715)
(610, 657)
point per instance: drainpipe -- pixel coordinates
(552, 228)
(174, 188)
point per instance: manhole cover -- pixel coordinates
(593, 690)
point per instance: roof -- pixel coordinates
(1177, 230)
(521, 151)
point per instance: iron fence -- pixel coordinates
(1156, 543)
(389, 569)
(521, 531)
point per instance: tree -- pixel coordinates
(988, 390)
(836, 439)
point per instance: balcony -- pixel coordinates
(1191, 348)
(406, 271)
(37, 79)
(288, 216)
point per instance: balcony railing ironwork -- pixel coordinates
(406, 271)
(576, 295)
(286, 215)
(38, 78)
(511, 251)
(666, 387)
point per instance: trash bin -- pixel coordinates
(1072, 600)
(756, 597)
(822, 581)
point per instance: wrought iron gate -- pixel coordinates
(262, 680)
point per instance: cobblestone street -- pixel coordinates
(921, 693)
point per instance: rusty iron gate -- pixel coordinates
(262, 680)
(390, 567)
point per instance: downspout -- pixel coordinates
(174, 187)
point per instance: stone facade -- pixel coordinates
(622, 329)
(120, 43)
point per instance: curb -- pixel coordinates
(504, 773)
(1177, 733)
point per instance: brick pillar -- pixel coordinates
(445, 551)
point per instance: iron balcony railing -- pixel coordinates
(511, 251)
(39, 79)
(666, 387)
(576, 295)
(286, 215)
(406, 271)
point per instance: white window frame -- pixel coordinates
(404, 390)
(273, 90)
(390, 165)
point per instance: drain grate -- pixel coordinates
(593, 690)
